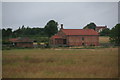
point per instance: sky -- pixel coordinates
(119, 12)
(0, 15)
(73, 15)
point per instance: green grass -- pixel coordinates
(60, 63)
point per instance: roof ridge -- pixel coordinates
(77, 29)
(80, 32)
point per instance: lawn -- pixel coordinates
(60, 63)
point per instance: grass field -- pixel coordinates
(104, 39)
(60, 63)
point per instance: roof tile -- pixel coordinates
(80, 32)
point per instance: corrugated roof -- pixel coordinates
(26, 39)
(80, 32)
(13, 39)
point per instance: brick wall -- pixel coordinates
(24, 44)
(75, 40)
(82, 40)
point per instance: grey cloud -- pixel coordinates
(71, 14)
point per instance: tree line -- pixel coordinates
(104, 32)
(113, 33)
(43, 34)
(49, 30)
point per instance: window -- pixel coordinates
(82, 38)
(64, 41)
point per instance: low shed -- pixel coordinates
(21, 42)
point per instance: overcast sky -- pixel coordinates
(74, 15)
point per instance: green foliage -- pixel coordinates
(23, 32)
(105, 32)
(6, 44)
(6, 32)
(90, 26)
(40, 38)
(115, 35)
(37, 34)
(51, 28)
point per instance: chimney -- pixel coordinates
(105, 26)
(61, 26)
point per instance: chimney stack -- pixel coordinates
(105, 26)
(61, 26)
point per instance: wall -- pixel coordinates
(24, 44)
(75, 40)
(88, 40)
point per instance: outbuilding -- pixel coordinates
(21, 42)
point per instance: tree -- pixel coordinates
(18, 32)
(51, 28)
(23, 27)
(115, 35)
(90, 26)
(105, 32)
(6, 32)
(9, 31)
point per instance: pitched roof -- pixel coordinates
(80, 32)
(101, 26)
(19, 39)
(55, 36)
(13, 39)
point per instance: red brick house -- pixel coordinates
(21, 42)
(75, 37)
(100, 28)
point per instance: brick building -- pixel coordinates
(75, 37)
(21, 42)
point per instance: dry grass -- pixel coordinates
(60, 63)
(104, 39)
